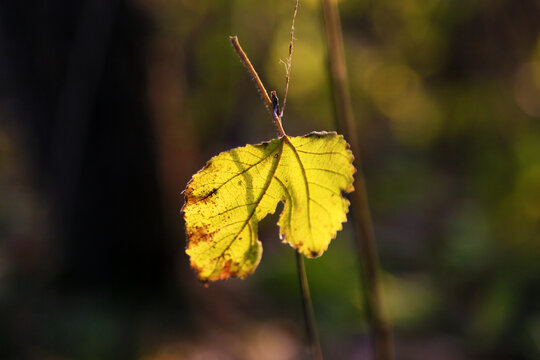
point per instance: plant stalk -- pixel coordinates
(289, 61)
(258, 83)
(365, 239)
(309, 317)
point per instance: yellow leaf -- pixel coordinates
(236, 189)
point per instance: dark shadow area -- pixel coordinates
(75, 78)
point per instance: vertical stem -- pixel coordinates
(384, 349)
(309, 317)
(289, 62)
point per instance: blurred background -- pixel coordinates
(107, 107)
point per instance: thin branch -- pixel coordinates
(289, 62)
(384, 349)
(251, 70)
(309, 317)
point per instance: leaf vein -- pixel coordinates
(325, 187)
(327, 170)
(267, 185)
(243, 172)
(324, 153)
(231, 209)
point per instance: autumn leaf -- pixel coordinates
(236, 189)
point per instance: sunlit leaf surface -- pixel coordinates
(236, 189)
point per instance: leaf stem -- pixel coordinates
(251, 70)
(309, 317)
(384, 349)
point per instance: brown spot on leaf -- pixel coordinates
(212, 192)
(226, 271)
(229, 269)
(192, 199)
(198, 233)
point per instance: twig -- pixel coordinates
(251, 70)
(289, 62)
(309, 317)
(384, 349)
